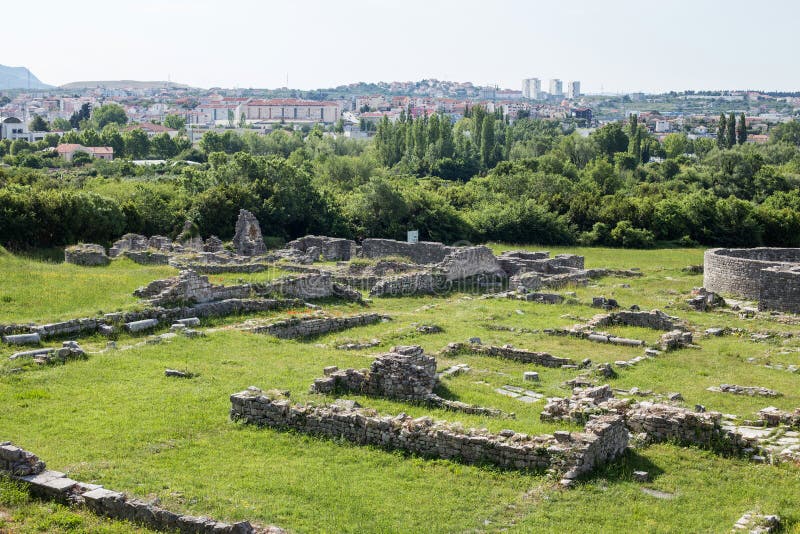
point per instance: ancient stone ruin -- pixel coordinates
(508, 352)
(769, 275)
(26, 467)
(299, 327)
(568, 454)
(86, 254)
(191, 288)
(329, 248)
(405, 373)
(247, 241)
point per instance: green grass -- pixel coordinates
(39, 291)
(114, 418)
(21, 513)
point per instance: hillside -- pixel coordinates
(19, 78)
(123, 84)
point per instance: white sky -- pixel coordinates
(616, 45)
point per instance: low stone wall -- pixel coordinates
(311, 326)
(772, 416)
(86, 254)
(404, 373)
(423, 252)
(655, 319)
(604, 439)
(165, 316)
(190, 287)
(26, 467)
(510, 353)
(662, 422)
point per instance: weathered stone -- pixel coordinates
(769, 275)
(140, 326)
(86, 254)
(247, 240)
(23, 339)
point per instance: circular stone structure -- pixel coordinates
(769, 275)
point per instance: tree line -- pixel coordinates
(526, 181)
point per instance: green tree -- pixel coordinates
(675, 144)
(242, 121)
(175, 122)
(487, 142)
(81, 158)
(137, 144)
(730, 138)
(788, 132)
(163, 147)
(81, 115)
(61, 124)
(722, 132)
(107, 114)
(741, 132)
(38, 124)
(610, 139)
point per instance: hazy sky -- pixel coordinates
(616, 45)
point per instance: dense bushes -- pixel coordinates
(547, 187)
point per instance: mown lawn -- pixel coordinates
(115, 419)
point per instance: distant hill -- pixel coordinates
(123, 84)
(19, 78)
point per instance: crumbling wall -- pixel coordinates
(573, 454)
(655, 319)
(86, 254)
(298, 327)
(417, 283)
(247, 241)
(26, 467)
(404, 373)
(331, 248)
(465, 262)
(423, 252)
(510, 353)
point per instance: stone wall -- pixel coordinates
(190, 287)
(418, 283)
(662, 422)
(330, 248)
(247, 241)
(26, 467)
(604, 439)
(311, 326)
(655, 319)
(510, 353)
(780, 289)
(404, 373)
(423, 252)
(86, 254)
(741, 272)
(466, 262)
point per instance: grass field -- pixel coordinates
(114, 419)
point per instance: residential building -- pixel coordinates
(290, 110)
(68, 151)
(532, 88)
(573, 89)
(556, 88)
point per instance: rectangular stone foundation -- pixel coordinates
(603, 440)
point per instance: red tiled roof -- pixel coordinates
(63, 148)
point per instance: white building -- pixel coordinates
(532, 88)
(556, 88)
(573, 89)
